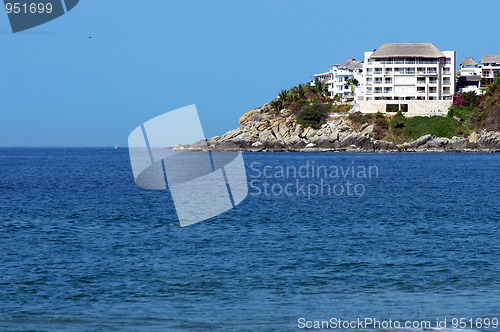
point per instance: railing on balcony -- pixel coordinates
(408, 61)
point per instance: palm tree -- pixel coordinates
(301, 91)
(353, 83)
(283, 95)
(275, 105)
(321, 89)
(293, 94)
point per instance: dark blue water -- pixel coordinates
(82, 248)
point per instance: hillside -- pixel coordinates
(303, 119)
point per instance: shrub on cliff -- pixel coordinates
(491, 105)
(478, 112)
(404, 129)
(378, 120)
(313, 115)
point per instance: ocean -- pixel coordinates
(322, 238)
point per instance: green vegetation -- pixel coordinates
(399, 128)
(378, 120)
(314, 115)
(403, 129)
(475, 112)
(310, 104)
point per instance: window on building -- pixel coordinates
(446, 80)
(391, 107)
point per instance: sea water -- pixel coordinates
(336, 236)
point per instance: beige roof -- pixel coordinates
(352, 64)
(495, 58)
(468, 62)
(414, 50)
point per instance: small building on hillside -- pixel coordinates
(341, 80)
(490, 67)
(414, 78)
(348, 79)
(470, 76)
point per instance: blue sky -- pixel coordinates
(58, 87)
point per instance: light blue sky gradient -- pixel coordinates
(58, 87)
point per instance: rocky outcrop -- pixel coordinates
(262, 130)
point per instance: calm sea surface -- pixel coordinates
(82, 248)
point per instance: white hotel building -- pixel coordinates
(337, 79)
(417, 79)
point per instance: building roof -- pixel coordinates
(415, 50)
(322, 75)
(468, 62)
(352, 64)
(495, 58)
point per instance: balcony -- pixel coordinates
(411, 61)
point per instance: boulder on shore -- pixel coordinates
(261, 129)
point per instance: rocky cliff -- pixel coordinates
(263, 130)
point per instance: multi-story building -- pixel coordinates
(415, 78)
(470, 76)
(490, 67)
(341, 78)
(344, 78)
